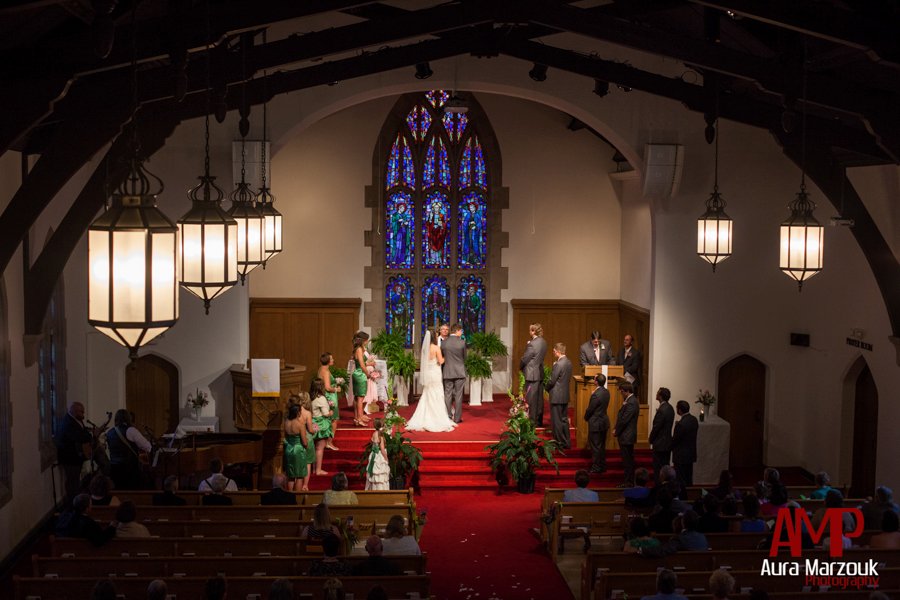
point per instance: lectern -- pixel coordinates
(584, 387)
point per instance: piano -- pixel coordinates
(190, 455)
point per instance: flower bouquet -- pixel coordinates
(197, 402)
(706, 399)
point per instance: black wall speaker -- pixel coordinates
(800, 339)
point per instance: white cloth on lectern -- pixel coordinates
(265, 376)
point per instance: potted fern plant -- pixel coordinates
(520, 451)
(401, 364)
(489, 347)
(478, 370)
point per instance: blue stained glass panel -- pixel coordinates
(400, 219)
(436, 231)
(470, 307)
(437, 98)
(428, 167)
(465, 166)
(455, 124)
(436, 164)
(409, 169)
(418, 120)
(480, 171)
(398, 307)
(435, 302)
(472, 240)
(393, 167)
(443, 170)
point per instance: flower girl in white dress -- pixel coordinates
(431, 412)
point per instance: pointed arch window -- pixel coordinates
(52, 380)
(436, 220)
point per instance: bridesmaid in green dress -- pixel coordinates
(298, 443)
(360, 380)
(332, 390)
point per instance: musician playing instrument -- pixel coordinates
(125, 444)
(72, 439)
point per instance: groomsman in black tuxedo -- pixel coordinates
(598, 424)
(661, 431)
(684, 443)
(626, 431)
(630, 359)
(532, 366)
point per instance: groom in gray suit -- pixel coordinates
(558, 385)
(532, 367)
(454, 371)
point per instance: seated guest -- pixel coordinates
(730, 507)
(778, 499)
(873, 510)
(639, 537)
(321, 525)
(660, 520)
(581, 493)
(845, 541)
(725, 487)
(688, 538)
(168, 496)
(77, 523)
(711, 521)
(822, 486)
(751, 523)
(396, 541)
(333, 589)
(101, 488)
(157, 590)
(668, 480)
(666, 582)
(330, 565)
(721, 583)
(339, 494)
(104, 589)
(128, 527)
(278, 495)
(216, 468)
(217, 496)
(772, 479)
(375, 564)
(833, 499)
(215, 589)
(890, 532)
(639, 495)
(281, 589)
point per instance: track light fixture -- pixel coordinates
(423, 70)
(538, 72)
(624, 88)
(601, 88)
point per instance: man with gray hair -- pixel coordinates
(278, 495)
(375, 564)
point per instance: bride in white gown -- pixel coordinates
(431, 412)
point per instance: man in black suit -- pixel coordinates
(631, 361)
(278, 495)
(684, 443)
(661, 432)
(169, 497)
(70, 440)
(626, 431)
(558, 387)
(598, 424)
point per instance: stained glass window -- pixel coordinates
(455, 124)
(435, 225)
(472, 240)
(437, 98)
(418, 120)
(399, 229)
(436, 164)
(435, 302)
(436, 231)
(470, 307)
(398, 304)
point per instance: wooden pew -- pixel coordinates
(239, 588)
(621, 562)
(210, 546)
(196, 566)
(640, 584)
(598, 518)
(251, 497)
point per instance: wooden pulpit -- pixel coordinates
(584, 387)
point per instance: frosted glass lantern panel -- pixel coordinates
(129, 275)
(165, 281)
(98, 276)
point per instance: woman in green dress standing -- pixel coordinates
(299, 451)
(332, 390)
(360, 380)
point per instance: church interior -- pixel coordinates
(552, 159)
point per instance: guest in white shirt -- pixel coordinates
(216, 467)
(396, 541)
(127, 527)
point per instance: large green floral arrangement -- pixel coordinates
(520, 450)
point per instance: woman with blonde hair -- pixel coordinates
(299, 451)
(321, 525)
(396, 541)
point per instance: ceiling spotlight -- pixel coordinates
(538, 72)
(601, 88)
(423, 70)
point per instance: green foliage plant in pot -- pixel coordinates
(520, 450)
(403, 458)
(402, 366)
(486, 347)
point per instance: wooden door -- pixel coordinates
(151, 393)
(865, 435)
(742, 402)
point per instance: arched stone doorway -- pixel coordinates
(860, 429)
(742, 402)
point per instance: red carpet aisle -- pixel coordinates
(479, 547)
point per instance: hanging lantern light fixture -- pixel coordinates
(132, 283)
(250, 225)
(714, 227)
(265, 201)
(802, 237)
